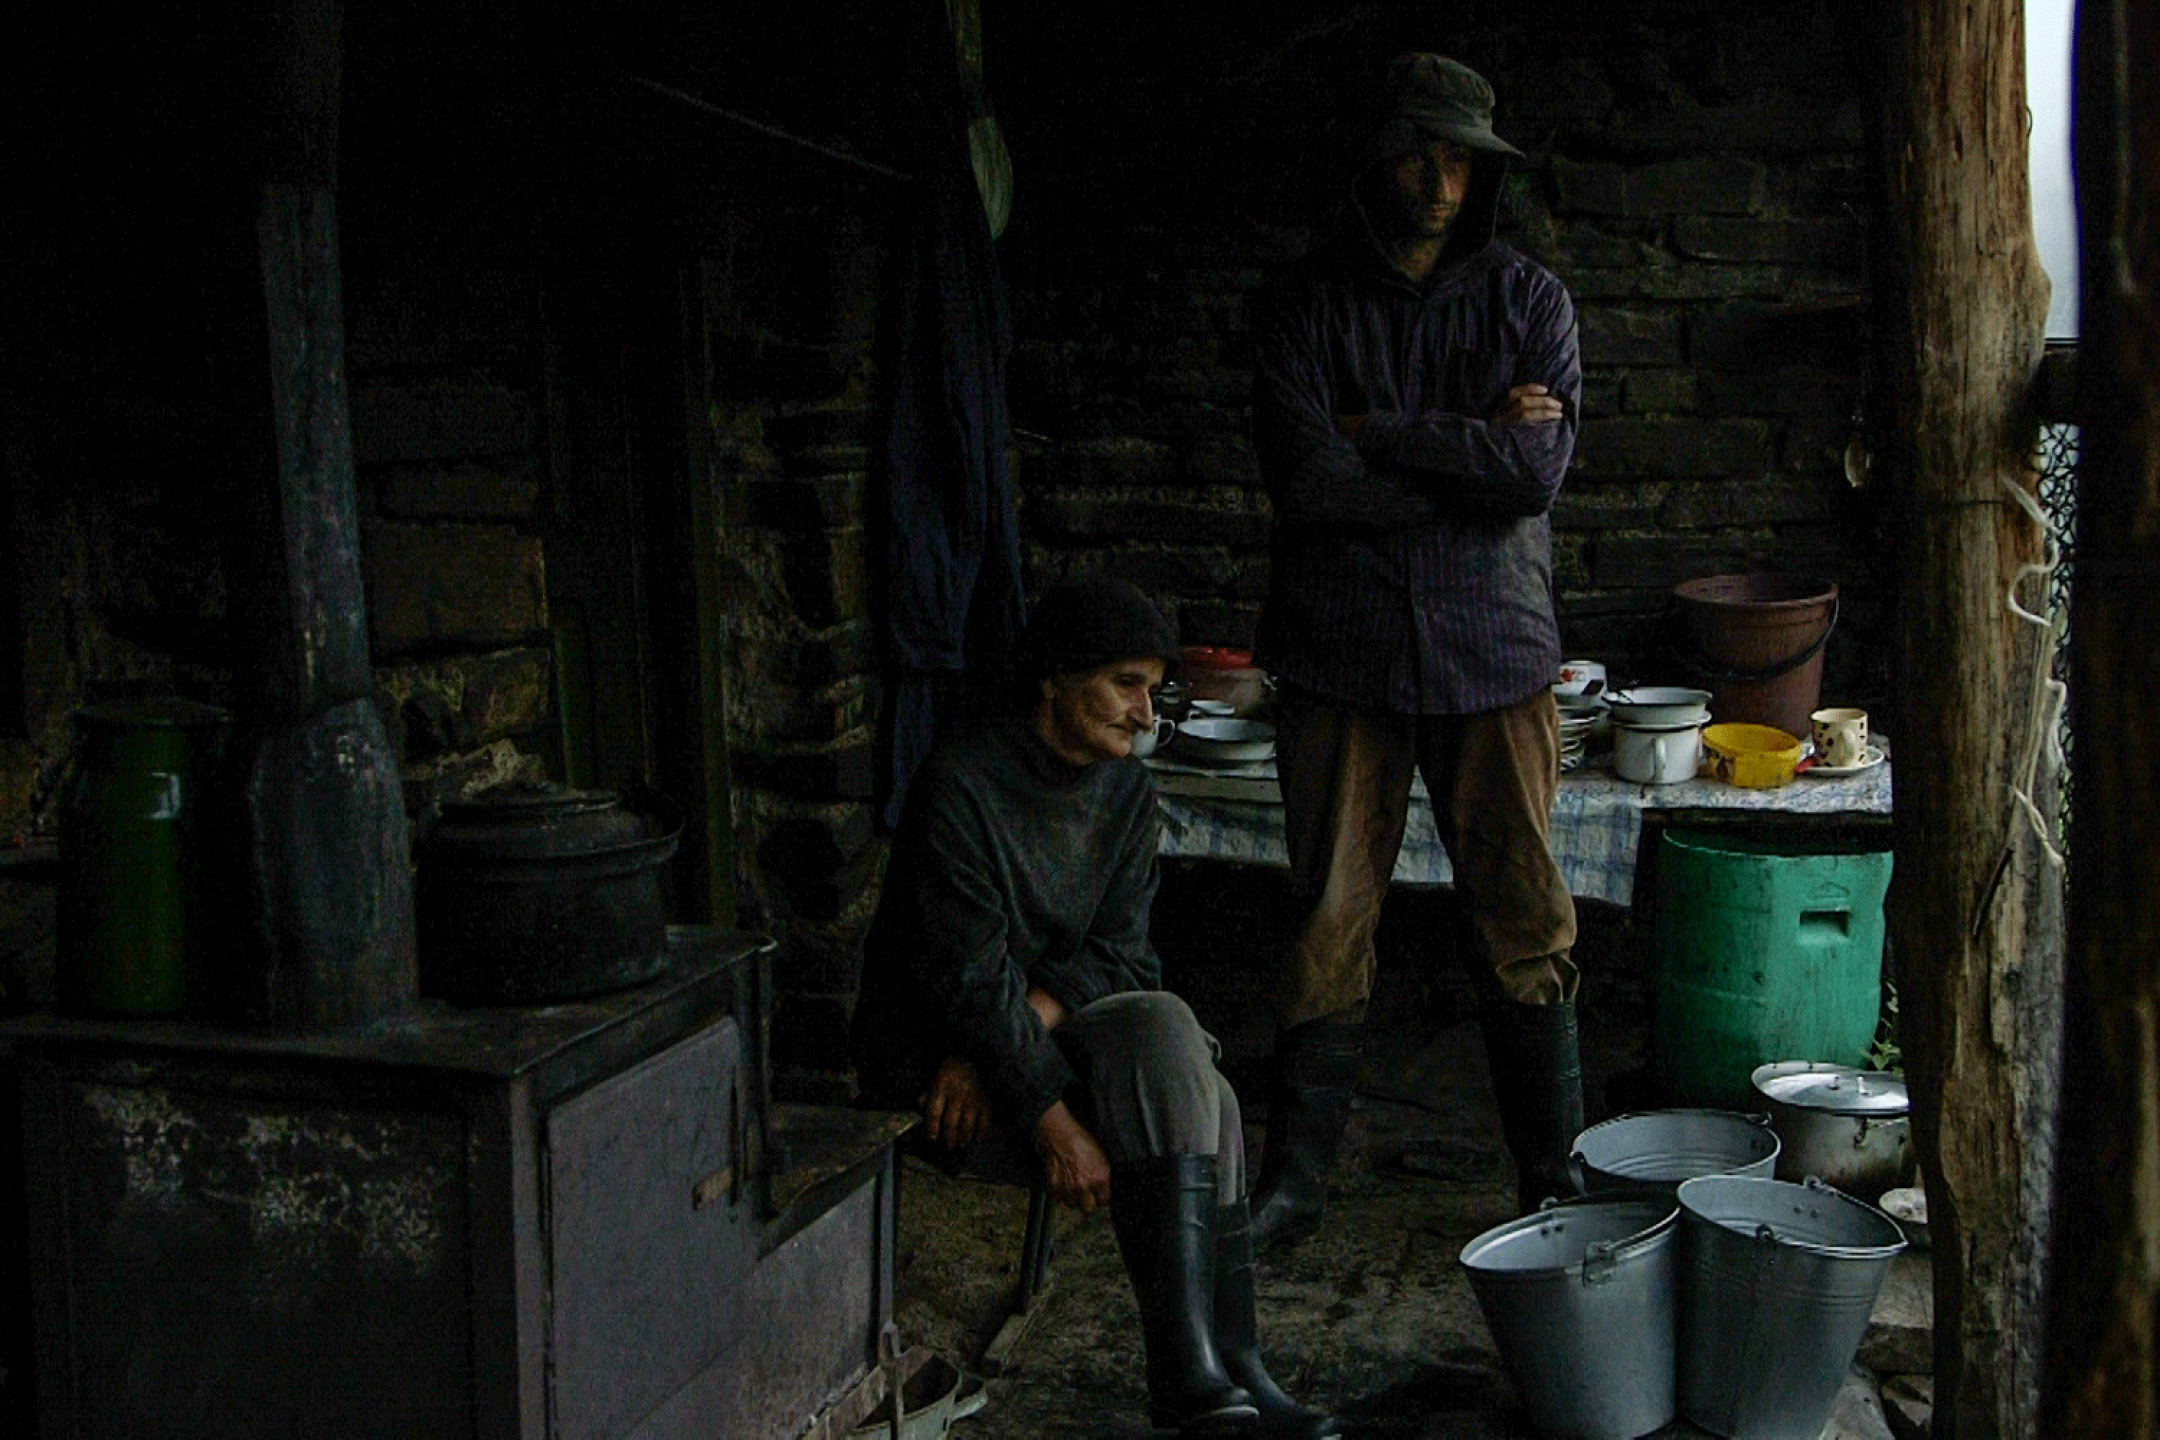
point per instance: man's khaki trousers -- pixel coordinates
(1345, 777)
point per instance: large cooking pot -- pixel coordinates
(530, 894)
(1851, 1127)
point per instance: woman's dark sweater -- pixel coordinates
(1011, 868)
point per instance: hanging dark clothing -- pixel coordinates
(952, 538)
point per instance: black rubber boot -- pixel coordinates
(1308, 1108)
(1163, 1211)
(1537, 1080)
(1237, 1336)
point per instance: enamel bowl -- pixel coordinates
(1647, 705)
(1215, 740)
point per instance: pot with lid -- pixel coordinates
(1849, 1126)
(531, 894)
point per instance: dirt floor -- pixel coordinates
(1372, 1317)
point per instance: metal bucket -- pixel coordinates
(1579, 1299)
(1658, 1149)
(1776, 1285)
(933, 1398)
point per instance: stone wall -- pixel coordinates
(444, 355)
(1700, 185)
(794, 303)
(1699, 181)
(125, 532)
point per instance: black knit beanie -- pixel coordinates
(1080, 624)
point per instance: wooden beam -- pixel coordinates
(1975, 905)
(2103, 1338)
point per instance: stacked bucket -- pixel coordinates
(1710, 1271)
(1689, 1281)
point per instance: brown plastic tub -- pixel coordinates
(1756, 643)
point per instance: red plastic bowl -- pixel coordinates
(1215, 657)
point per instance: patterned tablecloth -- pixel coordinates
(1597, 818)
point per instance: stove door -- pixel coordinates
(652, 1233)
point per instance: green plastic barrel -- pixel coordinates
(1760, 954)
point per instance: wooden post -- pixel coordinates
(2104, 1282)
(1975, 902)
(329, 917)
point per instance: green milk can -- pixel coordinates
(134, 857)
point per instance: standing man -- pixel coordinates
(1414, 406)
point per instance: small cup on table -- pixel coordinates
(1841, 735)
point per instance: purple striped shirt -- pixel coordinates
(1412, 570)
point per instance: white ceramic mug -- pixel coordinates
(1580, 677)
(1656, 757)
(1147, 742)
(1841, 735)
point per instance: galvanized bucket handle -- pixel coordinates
(1600, 1262)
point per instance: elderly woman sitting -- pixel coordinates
(1010, 989)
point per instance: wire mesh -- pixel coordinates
(2058, 497)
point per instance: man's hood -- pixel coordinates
(1358, 241)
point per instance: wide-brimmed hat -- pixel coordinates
(1428, 97)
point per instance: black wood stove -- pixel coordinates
(563, 1221)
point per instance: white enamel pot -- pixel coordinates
(1656, 755)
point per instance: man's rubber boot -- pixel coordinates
(1237, 1336)
(1308, 1108)
(1163, 1211)
(1537, 1080)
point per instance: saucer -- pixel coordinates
(1868, 760)
(1200, 760)
(1217, 741)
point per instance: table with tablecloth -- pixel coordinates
(1236, 815)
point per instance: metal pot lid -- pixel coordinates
(155, 711)
(530, 799)
(1837, 1089)
(532, 821)
(1662, 727)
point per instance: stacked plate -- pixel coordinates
(1575, 727)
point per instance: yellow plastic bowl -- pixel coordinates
(1754, 756)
